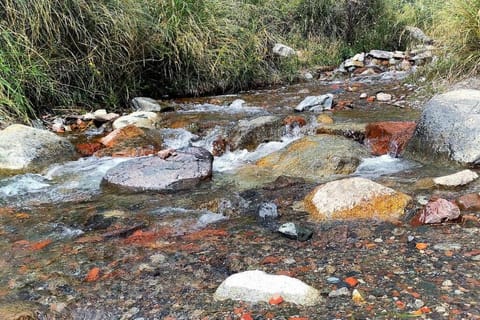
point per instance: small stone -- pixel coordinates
(293, 231)
(384, 97)
(237, 104)
(457, 179)
(316, 103)
(446, 246)
(330, 269)
(447, 283)
(333, 280)
(268, 210)
(437, 211)
(283, 50)
(339, 292)
(418, 303)
(357, 297)
(157, 258)
(364, 96)
(378, 240)
(275, 299)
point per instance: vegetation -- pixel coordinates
(59, 54)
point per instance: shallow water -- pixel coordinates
(58, 225)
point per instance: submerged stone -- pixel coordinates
(258, 286)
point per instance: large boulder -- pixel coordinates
(248, 134)
(26, 149)
(182, 170)
(257, 286)
(355, 198)
(449, 129)
(314, 157)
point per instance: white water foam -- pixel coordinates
(383, 165)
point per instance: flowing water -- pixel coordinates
(58, 225)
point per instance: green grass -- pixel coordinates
(87, 54)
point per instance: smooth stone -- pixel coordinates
(258, 286)
(316, 103)
(268, 210)
(148, 105)
(248, 134)
(283, 50)
(384, 97)
(183, 170)
(341, 292)
(143, 119)
(449, 130)
(355, 198)
(457, 179)
(447, 246)
(26, 149)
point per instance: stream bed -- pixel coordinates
(72, 249)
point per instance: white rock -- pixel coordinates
(339, 292)
(256, 286)
(268, 210)
(143, 119)
(316, 103)
(457, 179)
(145, 104)
(237, 104)
(359, 57)
(380, 54)
(384, 97)
(283, 50)
(364, 95)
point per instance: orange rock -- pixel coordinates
(93, 275)
(269, 315)
(371, 99)
(275, 299)
(122, 134)
(400, 304)
(271, 260)
(246, 316)
(298, 318)
(292, 121)
(421, 246)
(425, 309)
(41, 244)
(351, 281)
(22, 215)
(89, 148)
(388, 136)
(206, 233)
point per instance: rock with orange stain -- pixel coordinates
(389, 137)
(371, 99)
(292, 121)
(246, 316)
(93, 275)
(421, 245)
(351, 281)
(41, 244)
(313, 157)
(275, 299)
(271, 260)
(121, 134)
(355, 198)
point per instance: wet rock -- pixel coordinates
(313, 157)
(183, 170)
(380, 54)
(121, 134)
(294, 121)
(316, 103)
(324, 119)
(148, 105)
(100, 115)
(457, 179)
(437, 211)
(258, 286)
(469, 202)
(388, 137)
(283, 50)
(267, 210)
(449, 129)
(355, 198)
(219, 146)
(351, 130)
(143, 119)
(294, 231)
(248, 134)
(88, 148)
(26, 149)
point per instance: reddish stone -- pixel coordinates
(437, 211)
(388, 137)
(41, 244)
(371, 99)
(271, 260)
(206, 233)
(469, 202)
(292, 121)
(93, 275)
(219, 146)
(351, 281)
(344, 104)
(122, 134)
(89, 148)
(246, 316)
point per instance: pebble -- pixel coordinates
(447, 283)
(158, 258)
(339, 292)
(268, 210)
(418, 303)
(476, 258)
(333, 280)
(447, 246)
(363, 96)
(378, 240)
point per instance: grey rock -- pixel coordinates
(381, 54)
(283, 50)
(143, 119)
(257, 286)
(447, 246)
(448, 130)
(26, 149)
(248, 134)
(316, 103)
(341, 292)
(149, 105)
(294, 231)
(183, 170)
(268, 210)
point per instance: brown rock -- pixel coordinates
(469, 202)
(219, 146)
(88, 148)
(292, 121)
(122, 134)
(389, 137)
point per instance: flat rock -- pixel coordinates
(143, 119)
(258, 286)
(380, 54)
(26, 149)
(448, 130)
(355, 198)
(457, 179)
(183, 170)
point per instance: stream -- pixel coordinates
(72, 249)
